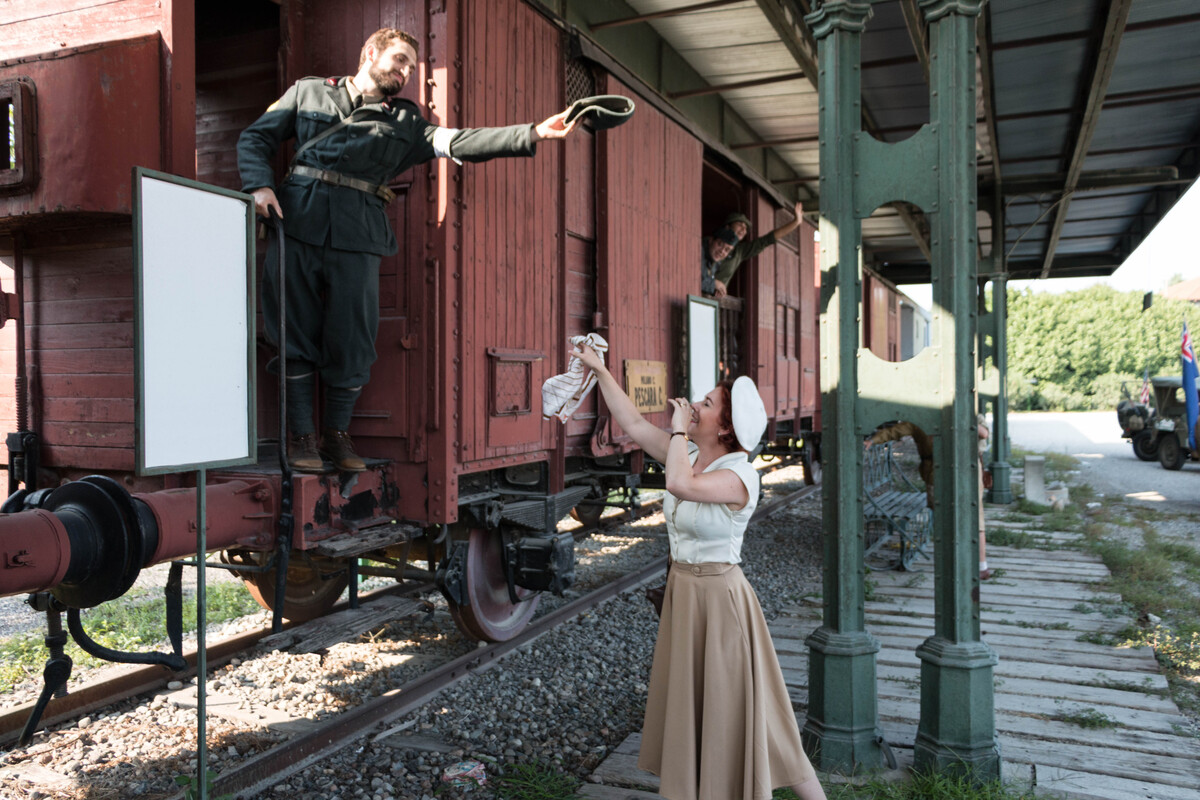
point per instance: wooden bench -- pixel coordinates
(895, 511)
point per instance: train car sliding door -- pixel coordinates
(649, 176)
(779, 316)
(389, 416)
(579, 306)
(510, 238)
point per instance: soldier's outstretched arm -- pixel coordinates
(483, 144)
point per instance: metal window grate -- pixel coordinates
(511, 376)
(580, 81)
(512, 388)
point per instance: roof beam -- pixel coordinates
(915, 22)
(727, 87)
(1168, 94)
(670, 12)
(1104, 60)
(1057, 38)
(1097, 179)
(1067, 266)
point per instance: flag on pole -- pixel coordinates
(1188, 357)
(1145, 398)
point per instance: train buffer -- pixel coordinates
(896, 513)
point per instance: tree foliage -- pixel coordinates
(1072, 351)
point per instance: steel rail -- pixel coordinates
(104, 692)
(294, 755)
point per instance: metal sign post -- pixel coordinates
(194, 341)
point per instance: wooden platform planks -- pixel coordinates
(1032, 615)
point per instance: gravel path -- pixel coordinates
(1107, 462)
(566, 699)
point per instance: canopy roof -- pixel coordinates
(1088, 113)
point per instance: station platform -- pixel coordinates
(1075, 718)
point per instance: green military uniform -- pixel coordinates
(337, 234)
(745, 249)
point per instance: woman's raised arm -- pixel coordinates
(649, 437)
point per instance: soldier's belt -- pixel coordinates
(338, 179)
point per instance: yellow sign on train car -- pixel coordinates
(646, 384)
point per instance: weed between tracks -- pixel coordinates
(129, 626)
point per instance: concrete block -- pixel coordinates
(1058, 497)
(1035, 479)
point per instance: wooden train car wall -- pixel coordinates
(649, 242)
(881, 316)
(499, 263)
(107, 85)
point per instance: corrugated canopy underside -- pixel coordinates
(1090, 109)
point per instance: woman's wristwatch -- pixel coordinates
(678, 433)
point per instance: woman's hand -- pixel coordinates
(681, 414)
(590, 358)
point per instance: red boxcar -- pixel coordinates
(499, 264)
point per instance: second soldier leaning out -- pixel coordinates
(353, 136)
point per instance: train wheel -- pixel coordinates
(489, 613)
(1145, 446)
(310, 594)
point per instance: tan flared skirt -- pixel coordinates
(719, 724)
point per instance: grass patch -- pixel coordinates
(121, 625)
(1057, 464)
(922, 786)
(535, 782)
(1087, 718)
(1145, 577)
(868, 587)
(1145, 687)
(1096, 637)
(1007, 537)
(1045, 626)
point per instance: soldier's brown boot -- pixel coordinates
(303, 455)
(337, 447)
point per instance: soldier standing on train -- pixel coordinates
(353, 136)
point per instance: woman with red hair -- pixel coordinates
(719, 723)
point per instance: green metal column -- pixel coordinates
(956, 731)
(1001, 491)
(841, 732)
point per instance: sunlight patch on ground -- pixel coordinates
(610, 544)
(1150, 496)
(1088, 455)
(649, 521)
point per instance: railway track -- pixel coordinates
(285, 760)
(298, 752)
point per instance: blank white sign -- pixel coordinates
(194, 324)
(703, 330)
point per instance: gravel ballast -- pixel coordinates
(565, 700)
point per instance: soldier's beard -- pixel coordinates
(387, 82)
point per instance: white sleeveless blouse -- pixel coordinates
(707, 533)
